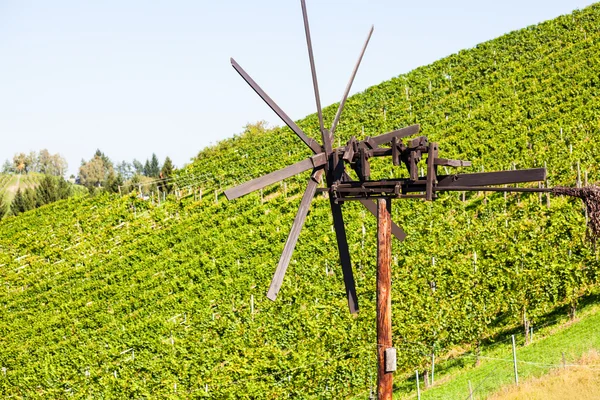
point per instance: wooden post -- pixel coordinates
(384, 299)
(418, 385)
(432, 364)
(514, 348)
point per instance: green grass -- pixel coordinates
(573, 338)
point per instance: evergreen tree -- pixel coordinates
(46, 191)
(154, 166)
(165, 174)
(63, 189)
(29, 196)
(23, 201)
(17, 205)
(51, 189)
(113, 182)
(147, 168)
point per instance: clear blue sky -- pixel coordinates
(136, 77)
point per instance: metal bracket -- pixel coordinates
(390, 359)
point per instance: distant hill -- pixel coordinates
(10, 183)
(122, 297)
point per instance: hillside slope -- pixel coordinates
(119, 297)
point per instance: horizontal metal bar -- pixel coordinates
(381, 196)
(446, 162)
(492, 178)
(492, 189)
(400, 133)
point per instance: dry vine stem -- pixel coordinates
(590, 195)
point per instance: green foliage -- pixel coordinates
(41, 162)
(24, 200)
(51, 189)
(113, 182)
(166, 174)
(98, 172)
(33, 190)
(91, 281)
(152, 167)
(4, 206)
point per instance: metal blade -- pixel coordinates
(347, 91)
(340, 234)
(313, 70)
(315, 147)
(492, 178)
(266, 180)
(400, 133)
(288, 250)
(371, 205)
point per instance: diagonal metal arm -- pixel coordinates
(266, 180)
(288, 250)
(313, 70)
(349, 86)
(315, 147)
(342, 241)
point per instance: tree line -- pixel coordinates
(100, 173)
(42, 162)
(50, 189)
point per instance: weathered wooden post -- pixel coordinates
(384, 301)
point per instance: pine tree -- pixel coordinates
(154, 166)
(29, 197)
(165, 174)
(45, 191)
(51, 189)
(18, 203)
(147, 171)
(63, 189)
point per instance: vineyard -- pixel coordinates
(18, 181)
(5, 182)
(31, 190)
(119, 297)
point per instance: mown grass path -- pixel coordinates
(573, 338)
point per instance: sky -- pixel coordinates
(134, 78)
